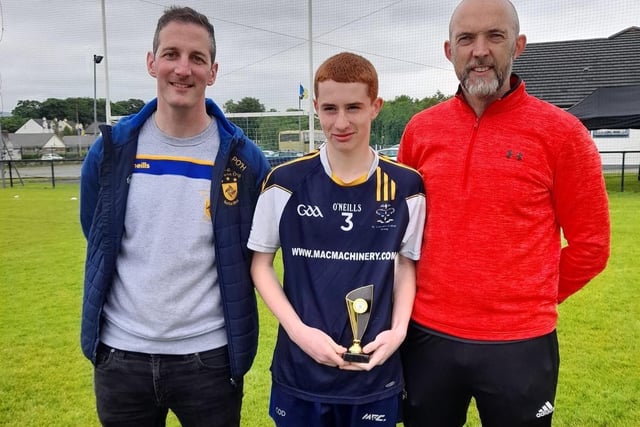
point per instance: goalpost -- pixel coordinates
(265, 128)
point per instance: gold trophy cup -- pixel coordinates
(359, 302)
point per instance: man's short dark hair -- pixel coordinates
(185, 15)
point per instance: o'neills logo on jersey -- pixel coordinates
(142, 165)
(230, 185)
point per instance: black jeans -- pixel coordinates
(136, 389)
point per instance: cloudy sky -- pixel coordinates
(47, 46)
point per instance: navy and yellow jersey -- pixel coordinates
(336, 237)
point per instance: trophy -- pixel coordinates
(359, 302)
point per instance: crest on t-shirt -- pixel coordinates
(385, 213)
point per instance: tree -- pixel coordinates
(386, 130)
(245, 105)
(12, 123)
(125, 108)
(251, 124)
(77, 110)
(388, 127)
(53, 108)
(432, 100)
(28, 109)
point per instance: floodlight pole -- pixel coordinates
(96, 60)
(107, 106)
(311, 94)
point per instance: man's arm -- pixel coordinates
(582, 209)
(90, 186)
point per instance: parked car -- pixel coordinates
(51, 156)
(391, 152)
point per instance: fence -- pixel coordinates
(628, 164)
(15, 172)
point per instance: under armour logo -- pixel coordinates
(518, 156)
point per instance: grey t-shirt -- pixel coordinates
(165, 297)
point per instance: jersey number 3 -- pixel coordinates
(348, 224)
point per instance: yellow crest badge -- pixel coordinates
(230, 187)
(230, 191)
(230, 178)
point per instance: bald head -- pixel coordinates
(502, 9)
(484, 40)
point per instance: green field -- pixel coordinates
(45, 380)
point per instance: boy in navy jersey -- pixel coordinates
(345, 219)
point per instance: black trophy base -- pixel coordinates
(355, 357)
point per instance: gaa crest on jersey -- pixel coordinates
(312, 211)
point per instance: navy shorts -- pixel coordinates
(290, 411)
(513, 383)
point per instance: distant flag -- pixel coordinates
(304, 94)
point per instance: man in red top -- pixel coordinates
(505, 174)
